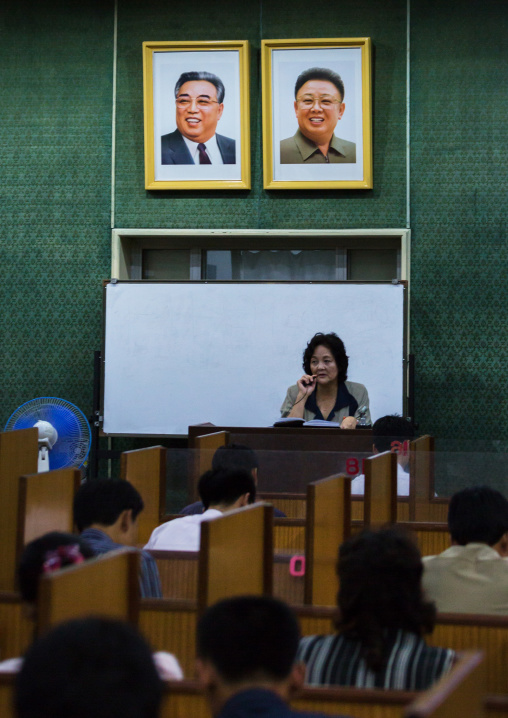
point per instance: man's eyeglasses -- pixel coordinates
(324, 101)
(202, 102)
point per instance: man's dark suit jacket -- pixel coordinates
(175, 152)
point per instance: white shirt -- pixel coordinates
(212, 150)
(180, 534)
(467, 579)
(358, 483)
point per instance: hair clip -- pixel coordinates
(62, 556)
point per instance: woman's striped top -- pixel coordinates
(410, 665)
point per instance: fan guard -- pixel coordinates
(74, 434)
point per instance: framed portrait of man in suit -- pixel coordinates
(196, 108)
(317, 118)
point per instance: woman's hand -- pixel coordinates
(349, 422)
(306, 385)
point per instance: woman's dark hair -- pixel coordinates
(335, 345)
(49, 550)
(380, 589)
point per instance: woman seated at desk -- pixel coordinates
(323, 392)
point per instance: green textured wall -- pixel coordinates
(55, 138)
(459, 150)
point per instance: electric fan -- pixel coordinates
(64, 432)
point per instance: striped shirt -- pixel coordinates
(149, 580)
(411, 664)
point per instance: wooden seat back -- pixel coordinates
(16, 628)
(460, 693)
(293, 505)
(328, 525)
(477, 632)
(380, 497)
(19, 451)
(106, 586)
(45, 503)
(145, 469)
(236, 554)
(423, 504)
(432, 537)
(205, 447)
(178, 571)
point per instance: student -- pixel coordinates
(94, 667)
(220, 490)
(105, 513)
(232, 456)
(382, 619)
(386, 431)
(45, 554)
(51, 552)
(472, 575)
(246, 648)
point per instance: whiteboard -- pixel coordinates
(182, 353)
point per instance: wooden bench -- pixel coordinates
(19, 451)
(462, 687)
(459, 693)
(106, 585)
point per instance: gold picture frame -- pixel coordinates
(293, 159)
(170, 156)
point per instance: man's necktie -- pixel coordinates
(203, 157)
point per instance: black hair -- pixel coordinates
(249, 637)
(478, 514)
(35, 555)
(102, 502)
(194, 76)
(225, 486)
(235, 456)
(335, 345)
(380, 588)
(320, 73)
(89, 667)
(391, 428)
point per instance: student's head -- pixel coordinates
(478, 514)
(391, 428)
(86, 668)
(46, 554)
(108, 503)
(335, 345)
(248, 640)
(236, 456)
(319, 103)
(380, 588)
(199, 105)
(226, 488)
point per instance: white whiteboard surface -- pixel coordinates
(185, 353)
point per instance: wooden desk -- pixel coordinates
(289, 457)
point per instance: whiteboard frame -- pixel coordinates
(106, 283)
